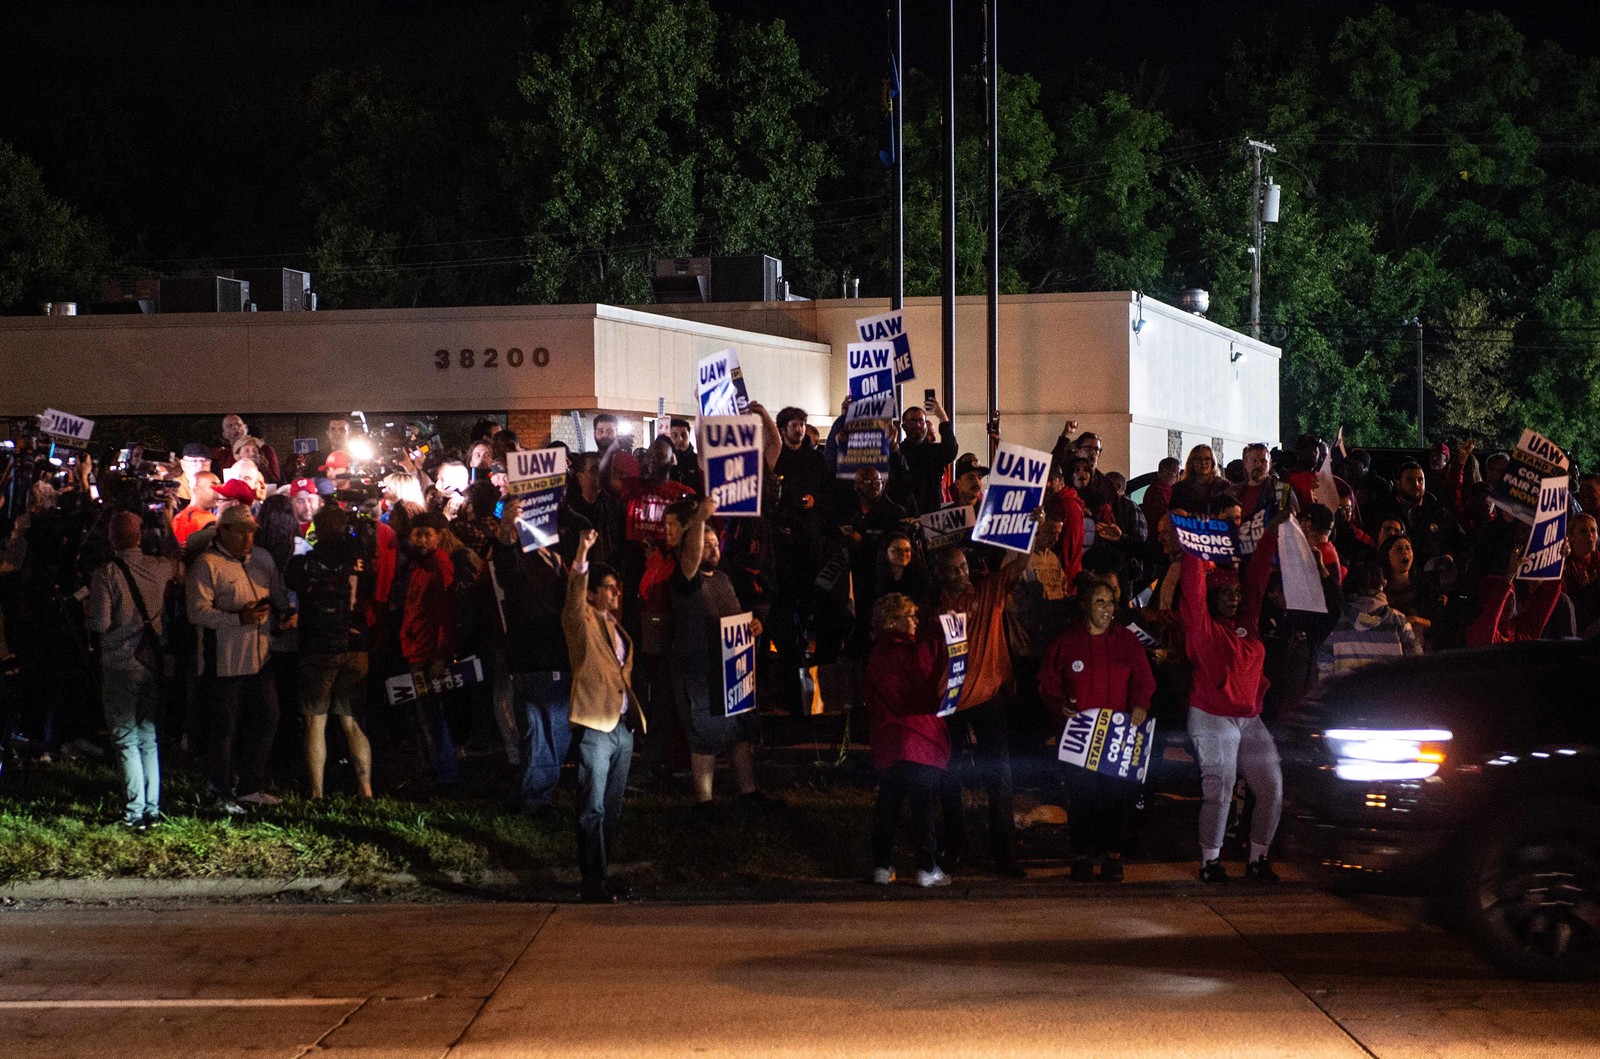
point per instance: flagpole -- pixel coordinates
(948, 294)
(992, 75)
(897, 293)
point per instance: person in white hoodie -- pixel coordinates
(233, 590)
(1369, 630)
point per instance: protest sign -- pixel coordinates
(738, 665)
(722, 391)
(1107, 742)
(890, 327)
(1144, 638)
(537, 481)
(871, 369)
(69, 431)
(1251, 530)
(305, 446)
(1205, 538)
(1015, 489)
(730, 455)
(954, 627)
(409, 687)
(1517, 492)
(947, 526)
(862, 446)
(1543, 559)
(1297, 562)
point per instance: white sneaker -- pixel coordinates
(936, 877)
(261, 798)
(882, 876)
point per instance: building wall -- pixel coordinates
(1062, 356)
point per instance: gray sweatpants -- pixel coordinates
(1228, 747)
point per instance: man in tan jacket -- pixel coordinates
(603, 713)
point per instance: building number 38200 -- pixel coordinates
(514, 357)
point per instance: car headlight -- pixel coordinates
(1369, 754)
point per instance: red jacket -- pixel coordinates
(1228, 657)
(902, 688)
(427, 624)
(1068, 506)
(1495, 626)
(1105, 672)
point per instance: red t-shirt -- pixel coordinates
(646, 501)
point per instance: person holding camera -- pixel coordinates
(125, 610)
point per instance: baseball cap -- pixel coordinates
(195, 450)
(236, 489)
(303, 487)
(338, 460)
(967, 463)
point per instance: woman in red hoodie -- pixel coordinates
(1222, 636)
(902, 687)
(1097, 665)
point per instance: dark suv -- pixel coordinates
(1471, 776)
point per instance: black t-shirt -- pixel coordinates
(698, 607)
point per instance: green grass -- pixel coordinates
(61, 824)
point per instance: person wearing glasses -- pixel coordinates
(1087, 445)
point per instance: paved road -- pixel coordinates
(1154, 974)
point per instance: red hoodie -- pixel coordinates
(427, 624)
(1228, 657)
(1069, 508)
(1495, 626)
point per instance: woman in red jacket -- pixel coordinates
(1498, 621)
(1222, 637)
(902, 687)
(1097, 665)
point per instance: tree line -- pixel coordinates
(1435, 166)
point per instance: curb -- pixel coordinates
(140, 889)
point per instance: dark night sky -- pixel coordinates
(164, 83)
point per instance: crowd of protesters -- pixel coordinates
(186, 607)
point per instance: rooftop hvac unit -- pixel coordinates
(681, 279)
(748, 278)
(275, 290)
(205, 294)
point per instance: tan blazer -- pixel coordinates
(598, 681)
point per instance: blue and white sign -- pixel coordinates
(537, 481)
(871, 369)
(721, 385)
(305, 446)
(947, 526)
(1015, 489)
(862, 446)
(1205, 538)
(730, 455)
(954, 627)
(738, 665)
(1543, 559)
(1107, 742)
(1517, 491)
(409, 687)
(67, 430)
(891, 328)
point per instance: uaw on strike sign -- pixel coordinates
(730, 453)
(1015, 489)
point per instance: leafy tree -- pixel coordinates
(404, 189)
(652, 130)
(47, 249)
(1470, 368)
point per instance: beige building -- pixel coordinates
(1174, 381)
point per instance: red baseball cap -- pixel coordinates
(338, 460)
(237, 489)
(303, 487)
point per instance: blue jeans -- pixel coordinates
(544, 699)
(603, 760)
(132, 702)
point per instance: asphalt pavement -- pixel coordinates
(1140, 971)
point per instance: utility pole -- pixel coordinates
(1258, 220)
(948, 294)
(1422, 435)
(897, 295)
(991, 76)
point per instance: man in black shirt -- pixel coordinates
(927, 456)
